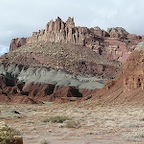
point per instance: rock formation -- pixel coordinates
(115, 43)
(129, 86)
(134, 69)
(65, 62)
(33, 85)
(52, 71)
(16, 43)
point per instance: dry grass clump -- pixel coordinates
(140, 136)
(68, 122)
(72, 124)
(56, 119)
(142, 119)
(44, 142)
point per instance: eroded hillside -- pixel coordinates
(67, 62)
(129, 85)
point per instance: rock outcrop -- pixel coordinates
(46, 71)
(75, 59)
(16, 43)
(34, 93)
(129, 86)
(65, 62)
(115, 43)
(33, 85)
(134, 69)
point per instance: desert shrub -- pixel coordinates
(142, 119)
(44, 142)
(56, 119)
(140, 136)
(72, 124)
(7, 134)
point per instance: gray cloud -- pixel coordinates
(21, 18)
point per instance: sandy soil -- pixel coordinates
(97, 124)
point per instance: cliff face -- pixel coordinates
(129, 86)
(134, 69)
(78, 60)
(52, 71)
(66, 62)
(114, 44)
(23, 84)
(59, 31)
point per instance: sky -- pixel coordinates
(19, 18)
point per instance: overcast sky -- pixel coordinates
(19, 18)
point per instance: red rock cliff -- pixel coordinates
(129, 86)
(115, 43)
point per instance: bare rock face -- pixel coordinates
(16, 43)
(135, 71)
(35, 93)
(78, 51)
(67, 93)
(115, 43)
(34, 85)
(11, 92)
(117, 32)
(129, 86)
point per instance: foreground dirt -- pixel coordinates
(96, 124)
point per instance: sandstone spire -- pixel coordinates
(115, 43)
